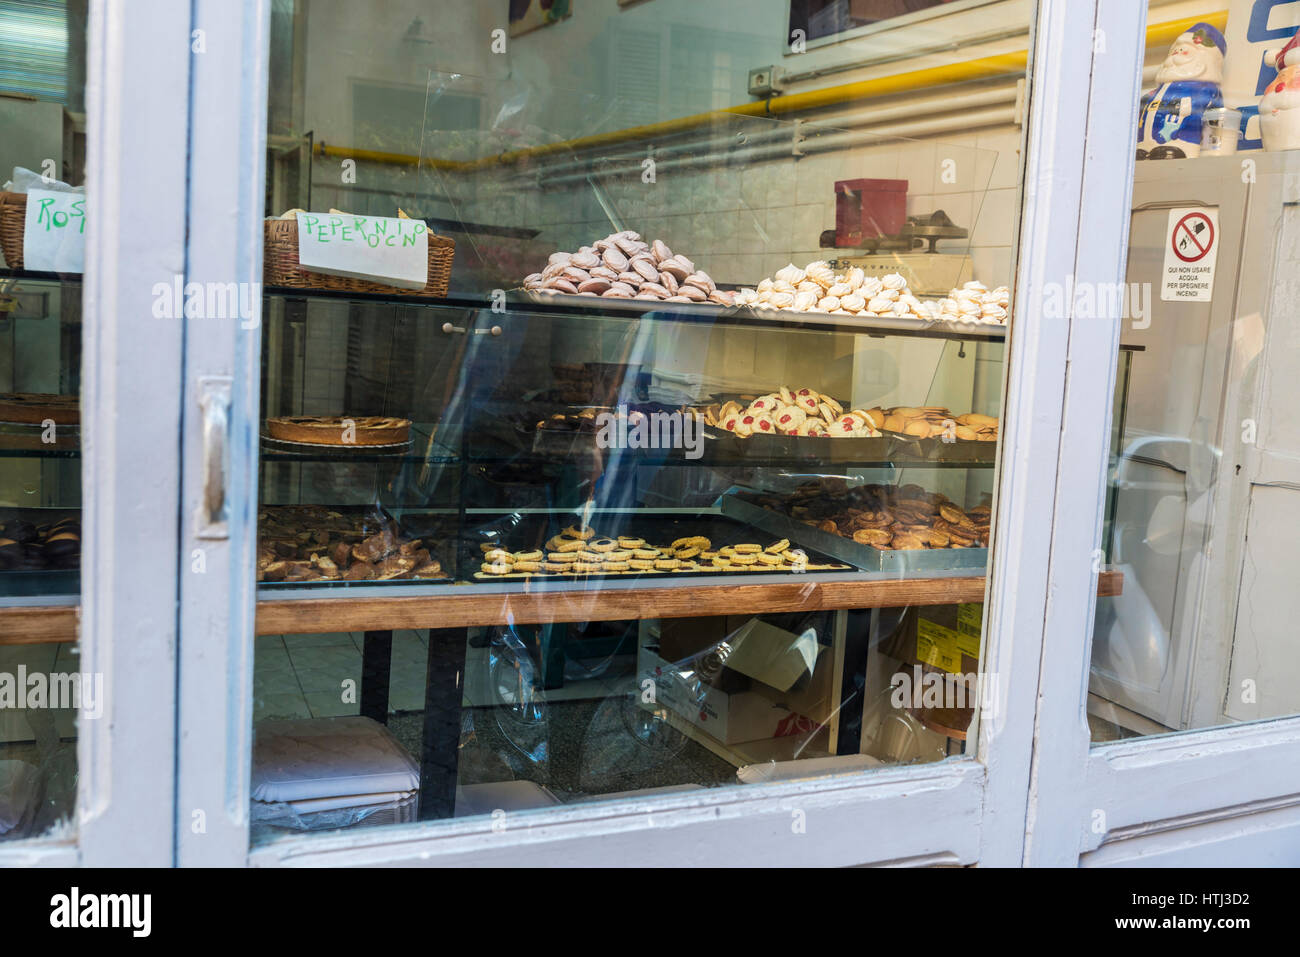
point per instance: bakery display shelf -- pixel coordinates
(548, 602)
(903, 563)
(542, 306)
(450, 606)
(776, 319)
(499, 438)
(21, 275)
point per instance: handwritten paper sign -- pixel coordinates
(54, 233)
(388, 250)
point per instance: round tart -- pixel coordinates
(335, 429)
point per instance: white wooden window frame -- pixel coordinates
(136, 187)
(1217, 797)
(961, 811)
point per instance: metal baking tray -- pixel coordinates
(939, 452)
(525, 531)
(910, 563)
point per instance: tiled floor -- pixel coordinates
(317, 676)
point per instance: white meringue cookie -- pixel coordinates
(853, 302)
(894, 281)
(880, 304)
(783, 285)
(871, 287)
(839, 290)
(854, 278)
(900, 309)
(803, 301)
(968, 308)
(809, 286)
(765, 286)
(791, 274)
(782, 300)
(976, 286)
(820, 272)
(829, 303)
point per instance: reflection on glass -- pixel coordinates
(701, 379)
(1202, 499)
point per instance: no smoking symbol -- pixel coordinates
(1193, 237)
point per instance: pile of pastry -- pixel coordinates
(976, 303)
(27, 546)
(790, 412)
(579, 550)
(886, 517)
(310, 543)
(624, 266)
(936, 422)
(818, 288)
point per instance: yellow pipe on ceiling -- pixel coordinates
(982, 68)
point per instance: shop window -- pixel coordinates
(1202, 494)
(669, 461)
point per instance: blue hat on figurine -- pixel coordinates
(1208, 33)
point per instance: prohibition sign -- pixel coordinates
(1185, 232)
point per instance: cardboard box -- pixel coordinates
(730, 717)
(945, 637)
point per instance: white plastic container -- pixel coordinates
(323, 773)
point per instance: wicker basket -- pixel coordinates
(13, 218)
(281, 265)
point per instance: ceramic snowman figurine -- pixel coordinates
(1187, 84)
(1279, 108)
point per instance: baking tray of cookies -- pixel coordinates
(957, 452)
(40, 551)
(540, 534)
(337, 546)
(901, 563)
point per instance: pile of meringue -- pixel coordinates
(818, 288)
(975, 302)
(624, 266)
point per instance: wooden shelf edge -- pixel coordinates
(39, 624)
(465, 609)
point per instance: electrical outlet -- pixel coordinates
(765, 81)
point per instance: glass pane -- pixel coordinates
(42, 166)
(670, 464)
(1202, 493)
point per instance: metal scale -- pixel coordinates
(928, 272)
